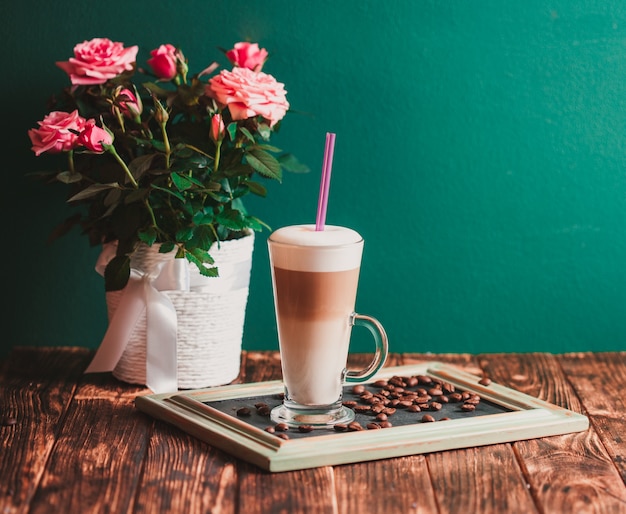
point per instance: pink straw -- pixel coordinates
(327, 167)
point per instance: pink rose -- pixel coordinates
(57, 132)
(98, 60)
(217, 127)
(247, 55)
(163, 61)
(93, 137)
(248, 93)
(129, 104)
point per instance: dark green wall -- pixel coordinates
(480, 151)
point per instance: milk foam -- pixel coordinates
(302, 248)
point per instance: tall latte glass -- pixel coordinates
(315, 276)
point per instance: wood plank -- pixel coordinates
(490, 477)
(36, 386)
(591, 483)
(600, 380)
(402, 484)
(183, 474)
(97, 463)
(293, 492)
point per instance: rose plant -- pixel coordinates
(166, 160)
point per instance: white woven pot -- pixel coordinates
(210, 318)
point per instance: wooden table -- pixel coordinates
(74, 443)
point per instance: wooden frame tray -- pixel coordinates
(502, 415)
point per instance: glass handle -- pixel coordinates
(382, 348)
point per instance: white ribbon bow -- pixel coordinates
(144, 293)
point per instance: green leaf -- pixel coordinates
(169, 192)
(148, 236)
(290, 163)
(247, 133)
(117, 273)
(231, 128)
(93, 190)
(166, 247)
(182, 182)
(264, 163)
(257, 188)
(231, 219)
(67, 177)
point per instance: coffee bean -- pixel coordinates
(271, 430)
(455, 397)
(282, 427)
(390, 411)
(468, 407)
(305, 428)
(373, 426)
(435, 391)
(435, 406)
(485, 381)
(349, 403)
(243, 412)
(354, 426)
(381, 417)
(385, 424)
(411, 381)
(282, 435)
(264, 410)
(427, 418)
(414, 408)
(404, 404)
(358, 389)
(362, 409)
(340, 427)
(260, 405)
(380, 383)
(447, 387)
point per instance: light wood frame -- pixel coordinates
(525, 417)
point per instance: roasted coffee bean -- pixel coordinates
(373, 426)
(414, 408)
(340, 427)
(358, 389)
(474, 399)
(354, 426)
(404, 404)
(260, 405)
(435, 406)
(465, 395)
(411, 381)
(455, 397)
(468, 407)
(394, 403)
(424, 379)
(271, 430)
(435, 391)
(390, 411)
(264, 410)
(442, 398)
(243, 412)
(397, 381)
(378, 408)
(381, 417)
(447, 387)
(305, 429)
(422, 399)
(485, 381)
(385, 424)
(380, 383)
(282, 435)
(282, 427)
(446, 418)
(349, 403)
(427, 418)
(362, 409)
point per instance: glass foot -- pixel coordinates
(315, 418)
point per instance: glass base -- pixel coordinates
(316, 418)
